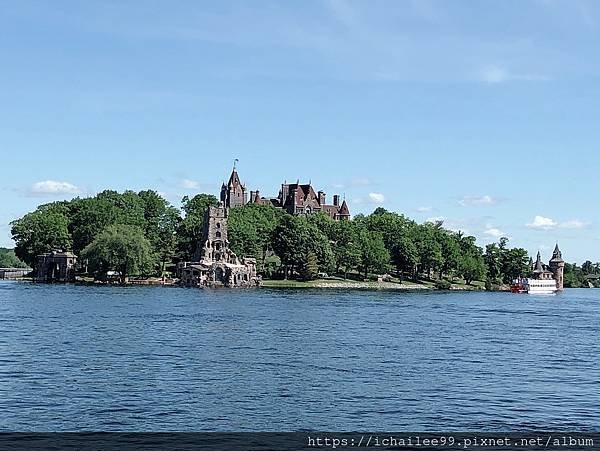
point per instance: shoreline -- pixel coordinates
(295, 284)
(356, 285)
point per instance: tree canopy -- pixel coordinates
(122, 248)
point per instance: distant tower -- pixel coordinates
(538, 267)
(557, 266)
(234, 193)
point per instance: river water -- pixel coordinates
(171, 359)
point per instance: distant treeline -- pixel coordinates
(8, 259)
(142, 234)
(578, 276)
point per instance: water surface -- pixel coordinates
(170, 359)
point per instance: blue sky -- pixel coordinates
(483, 113)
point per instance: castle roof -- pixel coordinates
(539, 267)
(234, 179)
(557, 255)
(302, 191)
(344, 211)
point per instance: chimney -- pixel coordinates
(293, 192)
(321, 198)
(336, 200)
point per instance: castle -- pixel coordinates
(215, 264)
(294, 198)
(554, 270)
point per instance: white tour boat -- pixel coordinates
(534, 286)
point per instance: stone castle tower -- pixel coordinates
(215, 264)
(234, 193)
(215, 246)
(557, 266)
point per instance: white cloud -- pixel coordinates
(424, 209)
(542, 223)
(574, 224)
(190, 184)
(351, 183)
(435, 219)
(494, 74)
(372, 198)
(478, 200)
(494, 232)
(53, 188)
(376, 198)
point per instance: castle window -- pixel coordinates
(218, 234)
(218, 225)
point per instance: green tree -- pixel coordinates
(89, 216)
(294, 239)
(161, 221)
(472, 267)
(451, 255)
(493, 264)
(309, 267)
(374, 257)
(515, 263)
(44, 230)
(290, 242)
(396, 231)
(121, 248)
(430, 249)
(8, 259)
(319, 245)
(345, 247)
(250, 229)
(405, 256)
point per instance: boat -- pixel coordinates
(534, 286)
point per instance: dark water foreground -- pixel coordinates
(166, 359)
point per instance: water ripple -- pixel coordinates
(139, 358)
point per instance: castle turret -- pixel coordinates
(344, 213)
(538, 267)
(234, 193)
(557, 266)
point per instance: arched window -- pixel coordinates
(218, 234)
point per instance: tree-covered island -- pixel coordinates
(142, 234)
